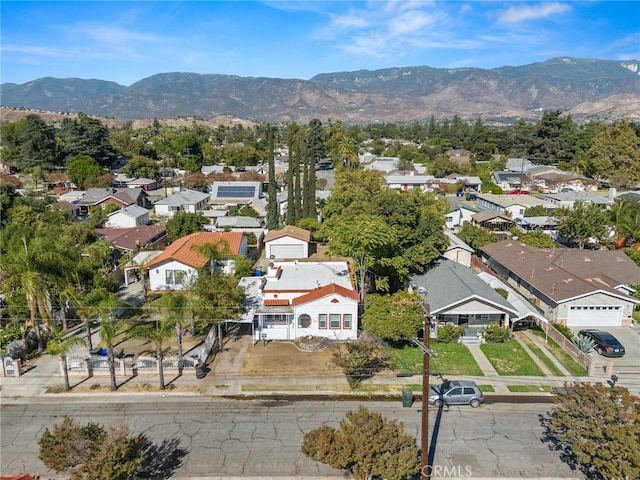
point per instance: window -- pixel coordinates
(174, 277)
(304, 321)
(346, 321)
(456, 391)
(322, 320)
(469, 391)
(334, 320)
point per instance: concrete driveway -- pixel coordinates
(626, 368)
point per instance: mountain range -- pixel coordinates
(585, 88)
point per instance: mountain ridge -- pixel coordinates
(585, 88)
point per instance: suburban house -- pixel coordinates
(135, 238)
(492, 221)
(457, 296)
(129, 216)
(299, 299)
(145, 183)
(513, 206)
(235, 194)
(554, 180)
(287, 242)
(545, 223)
(178, 265)
(408, 182)
(457, 251)
(574, 287)
(380, 164)
(185, 201)
(569, 199)
(117, 196)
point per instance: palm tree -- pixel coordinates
(630, 227)
(177, 307)
(157, 333)
(618, 215)
(58, 345)
(110, 329)
(215, 252)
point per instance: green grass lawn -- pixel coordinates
(573, 367)
(450, 359)
(537, 351)
(529, 388)
(509, 358)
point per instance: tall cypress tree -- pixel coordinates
(272, 199)
(291, 174)
(297, 188)
(314, 151)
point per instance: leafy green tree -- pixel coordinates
(142, 167)
(535, 238)
(59, 345)
(582, 222)
(596, 429)
(30, 142)
(82, 169)
(393, 317)
(536, 211)
(615, 154)
(86, 136)
(216, 297)
(476, 237)
(367, 444)
(183, 224)
(364, 238)
(98, 215)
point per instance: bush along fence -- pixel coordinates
(568, 346)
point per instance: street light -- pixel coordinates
(427, 353)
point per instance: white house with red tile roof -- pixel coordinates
(178, 265)
(299, 299)
(287, 242)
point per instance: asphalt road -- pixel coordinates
(199, 438)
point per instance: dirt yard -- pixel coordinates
(284, 358)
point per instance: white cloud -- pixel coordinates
(540, 10)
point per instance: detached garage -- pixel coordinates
(594, 316)
(285, 243)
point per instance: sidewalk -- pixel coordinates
(225, 378)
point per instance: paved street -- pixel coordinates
(218, 438)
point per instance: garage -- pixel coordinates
(594, 316)
(286, 251)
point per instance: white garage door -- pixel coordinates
(287, 251)
(594, 316)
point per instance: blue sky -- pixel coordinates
(127, 41)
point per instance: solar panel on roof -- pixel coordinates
(236, 191)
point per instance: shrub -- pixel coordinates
(503, 293)
(585, 344)
(449, 333)
(564, 330)
(367, 444)
(496, 334)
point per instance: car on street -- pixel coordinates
(456, 392)
(605, 343)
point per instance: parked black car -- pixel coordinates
(606, 344)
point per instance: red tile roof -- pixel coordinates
(331, 289)
(181, 250)
(277, 302)
(289, 231)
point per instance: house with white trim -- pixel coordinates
(176, 268)
(127, 217)
(185, 201)
(573, 287)
(299, 299)
(288, 242)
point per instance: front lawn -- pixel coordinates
(509, 358)
(573, 367)
(529, 388)
(450, 359)
(537, 351)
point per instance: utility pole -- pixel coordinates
(427, 353)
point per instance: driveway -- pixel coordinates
(626, 368)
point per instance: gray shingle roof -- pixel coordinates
(448, 283)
